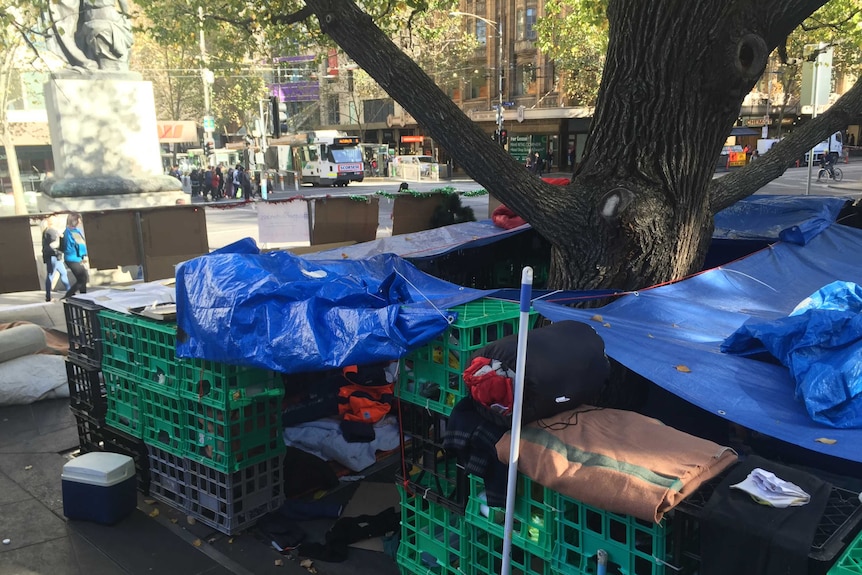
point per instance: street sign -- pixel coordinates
(209, 124)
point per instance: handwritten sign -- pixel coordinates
(283, 222)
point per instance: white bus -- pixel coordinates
(327, 157)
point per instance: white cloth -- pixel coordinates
(24, 380)
(767, 489)
(324, 439)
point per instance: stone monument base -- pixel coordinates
(48, 204)
(97, 186)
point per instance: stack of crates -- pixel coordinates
(447, 527)
(435, 489)
(213, 430)
(87, 390)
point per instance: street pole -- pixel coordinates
(499, 79)
(816, 56)
(205, 75)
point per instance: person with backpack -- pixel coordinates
(53, 258)
(74, 247)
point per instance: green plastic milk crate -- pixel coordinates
(486, 555)
(119, 342)
(232, 436)
(431, 375)
(638, 547)
(850, 562)
(433, 538)
(534, 528)
(163, 417)
(191, 378)
(122, 393)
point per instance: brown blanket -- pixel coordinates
(619, 461)
(57, 342)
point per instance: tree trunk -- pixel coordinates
(639, 210)
(14, 173)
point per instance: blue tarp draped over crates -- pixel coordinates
(672, 335)
(757, 221)
(282, 312)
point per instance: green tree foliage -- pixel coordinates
(574, 34)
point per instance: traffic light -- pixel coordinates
(210, 148)
(275, 105)
(504, 137)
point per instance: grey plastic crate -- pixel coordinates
(232, 502)
(168, 478)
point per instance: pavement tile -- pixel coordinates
(16, 424)
(53, 415)
(27, 523)
(10, 492)
(90, 559)
(42, 479)
(56, 557)
(139, 545)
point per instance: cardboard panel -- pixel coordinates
(343, 219)
(112, 238)
(171, 235)
(413, 214)
(19, 268)
(174, 230)
(164, 267)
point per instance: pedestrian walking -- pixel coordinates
(75, 254)
(53, 258)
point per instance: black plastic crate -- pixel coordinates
(115, 441)
(839, 523)
(86, 388)
(82, 326)
(430, 471)
(233, 502)
(89, 431)
(168, 478)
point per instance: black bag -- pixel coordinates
(566, 367)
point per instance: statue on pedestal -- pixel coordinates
(92, 34)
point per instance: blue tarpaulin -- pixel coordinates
(672, 335)
(820, 342)
(281, 312)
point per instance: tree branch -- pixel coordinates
(740, 184)
(293, 17)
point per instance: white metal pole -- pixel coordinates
(499, 30)
(813, 115)
(517, 408)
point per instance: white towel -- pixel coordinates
(767, 489)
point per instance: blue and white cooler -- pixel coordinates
(99, 487)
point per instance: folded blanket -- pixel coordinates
(616, 460)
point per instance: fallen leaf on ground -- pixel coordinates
(826, 440)
(279, 562)
(174, 521)
(306, 563)
(606, 324)
(230, 540)
(190, 520)
(211, 540)
(597, 317)
(683, 369)
(197, 542)
(150, 501)
(28, 467)
(154, 513)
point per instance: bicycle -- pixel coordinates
(824, 176)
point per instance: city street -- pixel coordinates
(225, 226)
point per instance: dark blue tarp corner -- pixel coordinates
(282, 312)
